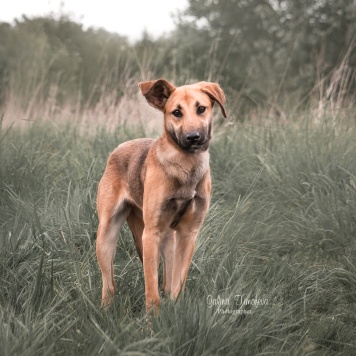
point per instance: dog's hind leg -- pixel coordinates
(108, 230)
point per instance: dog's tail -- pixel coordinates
(136, 226)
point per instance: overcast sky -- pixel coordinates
(126, 17)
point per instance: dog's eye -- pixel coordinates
(201, 109)
(177, 113)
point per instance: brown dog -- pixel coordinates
(161, 188)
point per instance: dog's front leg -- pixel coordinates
(150, 245)
(186, 234)
(185, 244)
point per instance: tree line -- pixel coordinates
(259, 50)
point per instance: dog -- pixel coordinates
(161, 188)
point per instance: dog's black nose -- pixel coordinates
(192, 137)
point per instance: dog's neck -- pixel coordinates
(183, 166)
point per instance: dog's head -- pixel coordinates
(187, 110)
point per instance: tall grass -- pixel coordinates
(281, 229)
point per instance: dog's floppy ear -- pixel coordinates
(156, 92)
(215, 93)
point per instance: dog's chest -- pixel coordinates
(174, 208)
(188, 173)
(186, 168)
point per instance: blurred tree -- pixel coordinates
(5, 33)
(320, 32)
(41, 54)
(262, 51)
(264, 46)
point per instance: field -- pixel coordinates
(274, 272)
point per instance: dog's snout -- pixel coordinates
(193, 137)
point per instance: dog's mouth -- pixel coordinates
(194, 147)
(186, 145)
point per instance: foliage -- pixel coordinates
(262, 52)
(265, 47)
(48, 54)
(281, 228)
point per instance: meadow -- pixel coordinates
(274, 272)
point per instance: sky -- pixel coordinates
(126, 17)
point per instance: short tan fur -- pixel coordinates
(161, 188)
